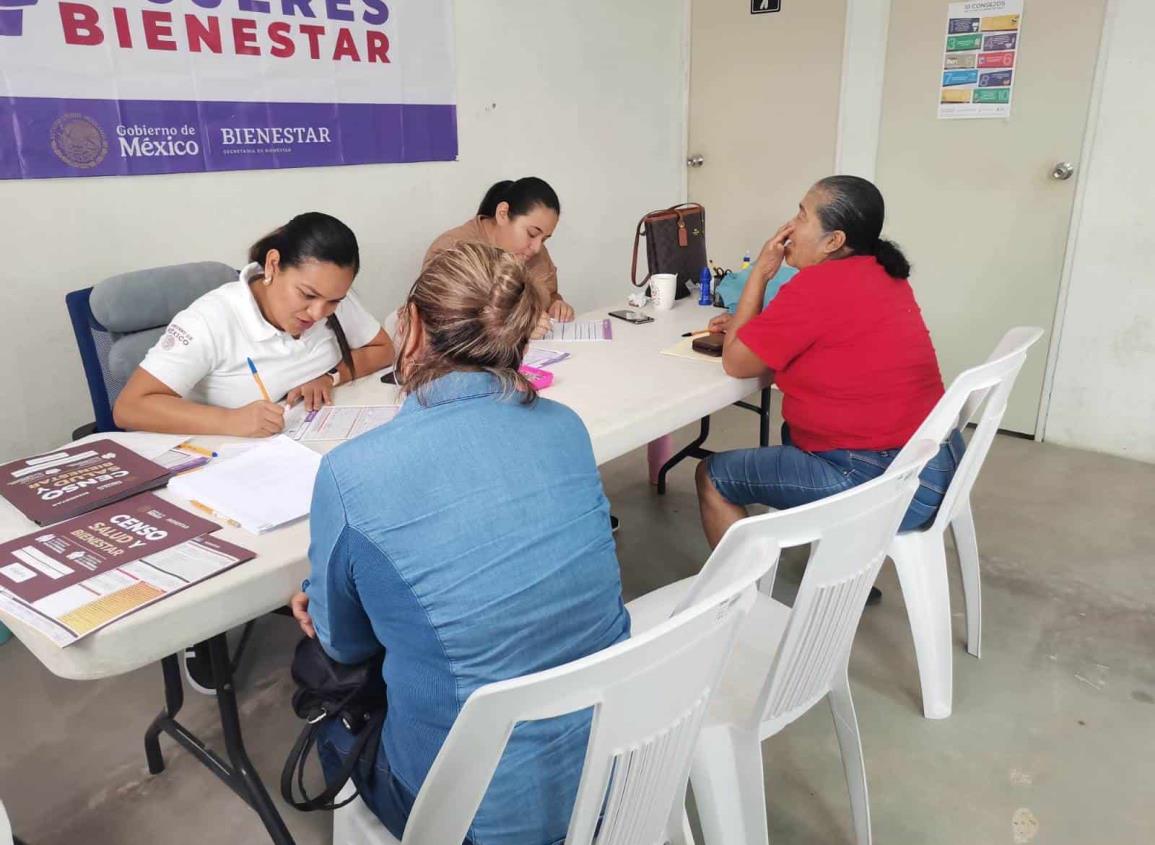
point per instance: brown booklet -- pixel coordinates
(62, 484)
(74, 578)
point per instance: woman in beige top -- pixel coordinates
(519, 217)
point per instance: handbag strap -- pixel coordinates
(299, 755)
(655, 215)
(634, 263)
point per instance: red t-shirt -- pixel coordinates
(852, 355)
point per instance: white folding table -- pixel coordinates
(625, 391)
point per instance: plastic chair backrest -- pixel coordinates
(981, 394)
(94, 342)
(848, 541)
(648, 695)
(848, 534)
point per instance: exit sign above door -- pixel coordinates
(761, 7)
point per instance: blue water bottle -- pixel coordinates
(704, 295)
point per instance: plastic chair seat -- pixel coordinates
(355, 824)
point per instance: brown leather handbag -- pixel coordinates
(675, 243)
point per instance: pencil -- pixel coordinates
(200, 450)
(257, 379)
(206, 509)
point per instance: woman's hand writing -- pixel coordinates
(561, 311)
(257, 419)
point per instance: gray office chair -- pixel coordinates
(118, 320)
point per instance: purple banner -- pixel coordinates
(45, 138)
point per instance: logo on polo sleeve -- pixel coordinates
(175, 336)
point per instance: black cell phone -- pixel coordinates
(389, 378)
(631, 316)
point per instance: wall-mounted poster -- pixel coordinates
(977, 75)
(128, 87)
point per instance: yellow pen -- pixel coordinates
(257, 379)
(210, 512)
(199, 450)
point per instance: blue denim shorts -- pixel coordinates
(786, 476)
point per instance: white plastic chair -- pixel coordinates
(788, 659)
(649, 695)
(5, 827)
(981, 394)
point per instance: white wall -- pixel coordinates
(588, 95)
(860, 100)
(1103, 394)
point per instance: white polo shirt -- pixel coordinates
(201, 356)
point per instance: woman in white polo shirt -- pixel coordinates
(291, 311)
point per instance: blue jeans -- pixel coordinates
(786, 476)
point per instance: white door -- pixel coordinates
(973, 202)
(763, 114)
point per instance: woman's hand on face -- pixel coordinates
(773, 251)
(314, 394)
(543, 326)
(721, 323)
(300, 607)
(561, 311)
(257, 419)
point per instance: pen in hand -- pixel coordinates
(257, 379)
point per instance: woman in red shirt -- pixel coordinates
(846, 343)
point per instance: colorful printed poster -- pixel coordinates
(106, 87)
(55, 486)
(76, 577)
(979, 59)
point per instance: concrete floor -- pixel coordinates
(1052, 738)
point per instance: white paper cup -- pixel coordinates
(663, 286)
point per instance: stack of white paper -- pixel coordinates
(266, 487)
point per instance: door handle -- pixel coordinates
(1063, 171)
(695, 161)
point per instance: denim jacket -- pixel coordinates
(470, 538)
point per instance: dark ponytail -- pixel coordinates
(523, 196)
(891, 258)
(314, 236)
(854, 206)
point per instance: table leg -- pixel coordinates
(657, 453)
(242, 768)
(693, 450)
(173, 701)
(237, 773)
(762, 409)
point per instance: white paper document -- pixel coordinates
(538, 356)
(336, 422)
(266, 487)
(580, 330)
